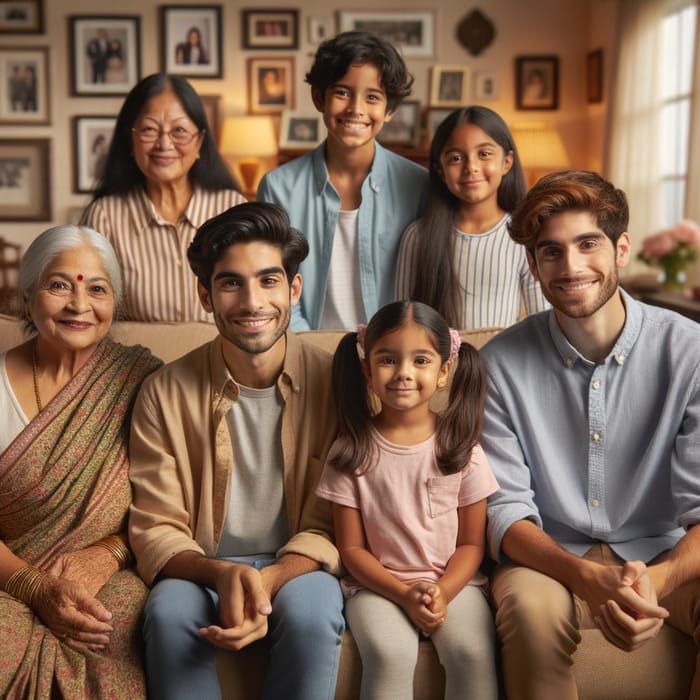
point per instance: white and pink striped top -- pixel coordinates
(158, 282)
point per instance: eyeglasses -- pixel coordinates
(150, 134)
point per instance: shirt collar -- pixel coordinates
(223, 384)
(144, 212)
(623, 346)
(377, 173)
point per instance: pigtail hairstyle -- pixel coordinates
(459, 427)
(354, 450)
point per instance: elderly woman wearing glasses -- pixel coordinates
(163, 178)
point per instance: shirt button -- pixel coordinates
(596, 436)
(595, 502)
(620, 359)
(569, 362)
(178, 263)
(596, 384)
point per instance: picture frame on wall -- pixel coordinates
(404, 127)
(270, 84)
(105, 54)
(301, 130)
(433, 118)
(485, 86)
(191, 40)
(413, 32)
(91, 138)
(24, 85)
(212, 108)
(449, 86)
(537, 82)
(21, 17)
(320, 29)
(25, 180)
(270, 29)
(594, 76)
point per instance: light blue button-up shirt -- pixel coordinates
(393, 195)
(596, 452)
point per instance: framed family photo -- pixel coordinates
(411, 31)
(433, 118)
(271, 29)
(404, 127)
(25, 180)
(594, 76)
(320, 28)
(537, 82)
(301, 129)
(24, 86)
(449, 86)
(270, 85)
(191, 40)
(21, 17)
(105, 54)
(485, 86)
(91, 138)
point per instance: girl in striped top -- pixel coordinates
(459, 257)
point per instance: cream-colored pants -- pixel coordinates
(538, 622)
(388, 645)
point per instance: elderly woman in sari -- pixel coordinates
(70, 601)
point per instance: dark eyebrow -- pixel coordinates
(597, 235)
(228, 274)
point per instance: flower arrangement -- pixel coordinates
(672, 249)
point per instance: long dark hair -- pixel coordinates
(459, 426)
(434, 280)
(121, 175)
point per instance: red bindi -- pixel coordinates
(79, 278)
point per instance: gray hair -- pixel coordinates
(51, 243)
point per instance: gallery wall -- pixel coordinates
(568, 31)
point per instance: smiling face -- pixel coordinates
(250, 296)
(162, 161)
(577, 264)
(403, 368)
(472, 165)
(355, 107)
(73, 305)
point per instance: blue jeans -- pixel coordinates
(304, 635)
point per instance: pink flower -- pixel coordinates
(659, 244)
(688, 232)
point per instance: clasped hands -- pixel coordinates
(426, 605)
(623, 602)
(244, 605)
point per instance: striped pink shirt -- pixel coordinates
(158, 282)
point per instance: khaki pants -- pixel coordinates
(538, 622)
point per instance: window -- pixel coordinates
(677, 52)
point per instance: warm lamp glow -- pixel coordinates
(540, 147)
(244, 140)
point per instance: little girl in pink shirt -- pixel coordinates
(409, 490)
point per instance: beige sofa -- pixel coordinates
(661, 670)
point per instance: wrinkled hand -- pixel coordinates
(626, 603)
(243, 608)
(90, 568)
(72, 614)
(418, 602)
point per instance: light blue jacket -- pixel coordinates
(393, 195)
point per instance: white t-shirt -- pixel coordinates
(343, 309)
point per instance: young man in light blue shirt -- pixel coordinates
(593, 431)
(350, 197)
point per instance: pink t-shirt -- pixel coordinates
(409, 507)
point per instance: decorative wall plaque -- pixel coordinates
(475, 32)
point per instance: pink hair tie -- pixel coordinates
(455, 344)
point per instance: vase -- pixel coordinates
(672, 278)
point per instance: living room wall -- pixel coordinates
(568, 30)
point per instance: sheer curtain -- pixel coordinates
(633, 160)
(692, 193)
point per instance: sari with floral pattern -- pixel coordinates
(64, 485)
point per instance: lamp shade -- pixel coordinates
(248, 136)
(540, 146)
